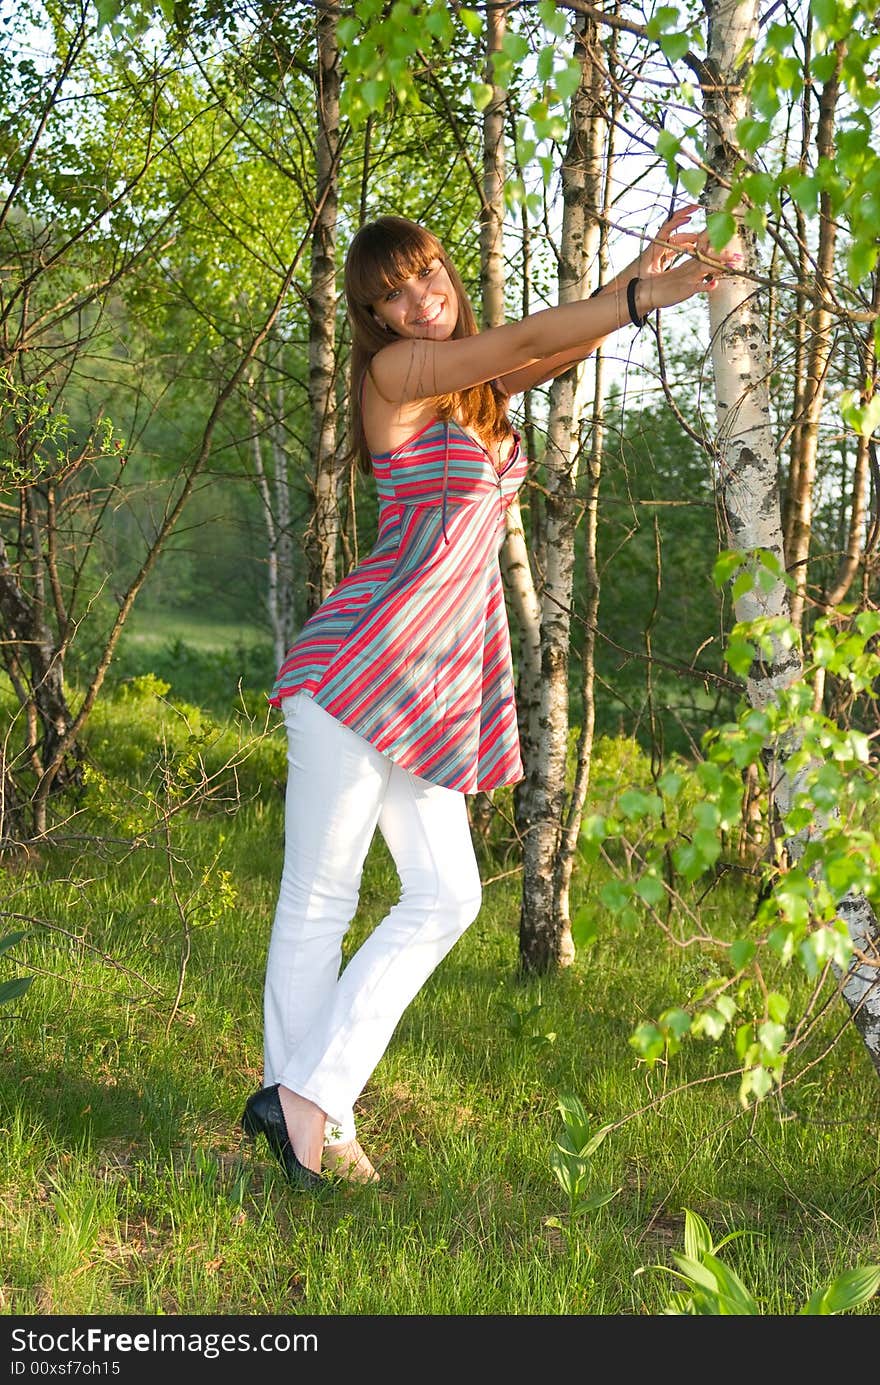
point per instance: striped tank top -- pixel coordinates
(412, 649)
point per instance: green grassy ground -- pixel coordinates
(126, 1188)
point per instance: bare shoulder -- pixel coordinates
(406, 371)
(389, 422)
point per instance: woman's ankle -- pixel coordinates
(305, 1126)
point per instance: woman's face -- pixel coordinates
(424, 305)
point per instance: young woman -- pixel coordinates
(398, 693)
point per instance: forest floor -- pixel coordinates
(126, 1187)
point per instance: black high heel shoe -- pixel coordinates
(263, 1115)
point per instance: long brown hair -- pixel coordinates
(382, 254)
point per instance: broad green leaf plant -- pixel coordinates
(713, 1289)
(570, 1161)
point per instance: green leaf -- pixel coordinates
(726, 564)
(862, 261)
(742, 585)
(439, 24)
(675, 46)
(678, 1022)
(735, 1296)
(651, 889)
(849, 1290)
(614, 894)
(697, 1237)
(721, 227)
(667, 145)
(664, 17)
(743, 1042)
(709, 1022)
(546, 64)
(707, 815)
(108, 10)
(752, 134)
(708, 844)
(567, 79)
(593, 828)
(12, 989)
(693, 180)
(670, 783)
(726, 1005)
(375, 93)
(863, 418)
(760, 1081)
(805, 191)
(696, 1270)
(648, 1042)
(595, 1200)
(584, 927)
(553, 18)
(689, 861)
(516, 46)
(772, 1037)
(471, 20)
(572, 1111)
(635, 803)
(10, 939)
(481, 94)
(739, 656)
(741, 952)
(566, 1173)
(755, 218)
(594, 1141)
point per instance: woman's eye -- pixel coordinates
(391, 295)
(426, 271)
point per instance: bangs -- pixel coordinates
(383, 255)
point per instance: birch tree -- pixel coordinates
(545, 932)
(323, 539)
(748, 473)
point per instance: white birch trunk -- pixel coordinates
(271, 531)
(599, 131)
(324, 532)
(821, 340)
(285, 612)
(545, 933)
(748, 478)
(274, 496)
(515, 564)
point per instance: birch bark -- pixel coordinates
(545, 932)
(820, 343)
(747, 465)
(492, 279)
(324, 530)
(274, 493)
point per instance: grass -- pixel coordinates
(125, 1186)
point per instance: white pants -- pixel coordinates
(324, 1032)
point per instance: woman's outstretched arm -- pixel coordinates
(665, 247)
(419, 368)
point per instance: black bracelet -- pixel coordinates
(631, 304)
(596, 292)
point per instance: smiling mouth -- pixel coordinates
(430, 317)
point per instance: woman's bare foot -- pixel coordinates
(305, 1127)
(347, 1160)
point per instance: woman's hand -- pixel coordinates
(699, 272)
(668, 244)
